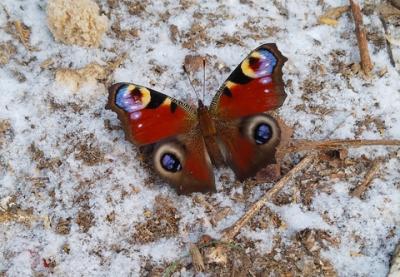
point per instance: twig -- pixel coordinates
(230, 233)
(366, 63)
(388, 46)
(302, 145)
(364, 185)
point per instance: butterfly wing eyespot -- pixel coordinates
(261, 129)
(168, 159)
(132, 98)
(259, 64)
(249, 144)
(185, 164)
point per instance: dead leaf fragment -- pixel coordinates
(216, 255)
(392, 40)
(387, 11)
(174, 33)
(221, 214)
(24, 33)
(331, 16)
(193, 63)
(7, 50)
(20, 216)
(396, 3)
(21, 32)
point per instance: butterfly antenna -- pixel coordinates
(204, 77)
(190, 81)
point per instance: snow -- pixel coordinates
(118, 183)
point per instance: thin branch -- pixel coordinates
(365, 184)
(366, 63)
(303, 145)
(388, 45)
(230, 233)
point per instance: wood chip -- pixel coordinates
(365, 184)
(197, 258)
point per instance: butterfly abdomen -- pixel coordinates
(209, 133)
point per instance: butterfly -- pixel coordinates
(235, 130)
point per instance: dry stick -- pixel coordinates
(302, 145)
(388, 45)
(363, 186)
(230, 233)
(298, 145)
(366, 63)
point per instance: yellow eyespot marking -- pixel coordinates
(146, 95)
(167, 102)
(230, 84)
(246, 69)
(262, 64)
(256, 55)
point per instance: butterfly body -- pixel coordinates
(234, 130)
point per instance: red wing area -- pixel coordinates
(184, 163)
(255, 86)
(243, 153)
(198, 173)
(246, 158)
(148, 116)
(248, 99)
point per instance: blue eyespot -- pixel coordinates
(262, 133)
(170, 163)
(129, 100)
(266, 63)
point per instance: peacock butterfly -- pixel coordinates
(235, 130)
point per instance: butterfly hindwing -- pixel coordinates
(149, 116)
(184, 163)
(255, 86)
(250, 143)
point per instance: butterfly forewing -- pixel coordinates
(255, 86)
(149, 116)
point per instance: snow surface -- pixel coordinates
(26, 105)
